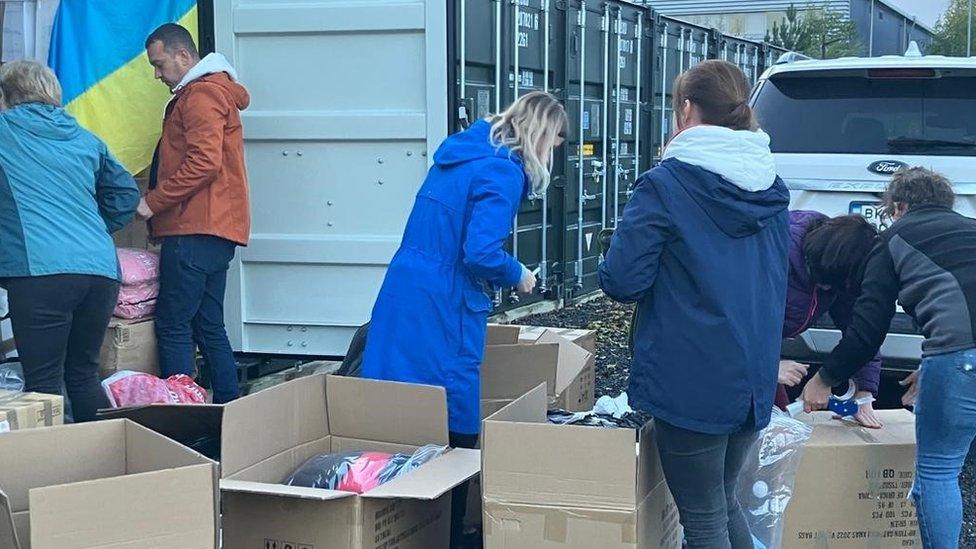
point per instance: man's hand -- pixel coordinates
(527, 284)
(911, 394)
(791, 373)
(865, 412)
(143, 210)
(815, 395)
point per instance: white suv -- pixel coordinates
(839, 129)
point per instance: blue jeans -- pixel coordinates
(945, 425)
(190, 310)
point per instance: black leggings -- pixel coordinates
(59, 323)
(703, 474)
(459, 496)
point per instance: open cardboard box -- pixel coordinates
(104, 485)
(851, 489)
(513, 366)
(499, 334)
(265, 436)
(573, 486)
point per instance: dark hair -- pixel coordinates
(720, 90)
(917, 187)
(173, 37)
(835, 250)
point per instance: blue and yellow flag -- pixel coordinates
(98, 52)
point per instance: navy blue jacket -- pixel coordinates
(706, 263)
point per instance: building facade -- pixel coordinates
(883, 28)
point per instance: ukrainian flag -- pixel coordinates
(98, 52)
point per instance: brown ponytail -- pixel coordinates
(720, 90)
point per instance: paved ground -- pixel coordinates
(611, 322)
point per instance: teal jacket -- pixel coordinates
(62, 194)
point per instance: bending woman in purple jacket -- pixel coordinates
(826, 264)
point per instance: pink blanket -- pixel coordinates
(138, 266)
(140, 283)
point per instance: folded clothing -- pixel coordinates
(359, 472)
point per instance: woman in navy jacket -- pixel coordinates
(430, 319)
(702, 250)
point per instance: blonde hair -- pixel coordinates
(530, 128)
(28, 82)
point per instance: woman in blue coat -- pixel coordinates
(702, 251)
(430, 319)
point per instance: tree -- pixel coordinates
(817, 32)
(832, 35)
(791, 33)
(950, 31)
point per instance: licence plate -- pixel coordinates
(873, 212)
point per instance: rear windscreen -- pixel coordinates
(861, 115)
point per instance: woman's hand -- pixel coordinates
(527, 284)
(791, 373)
(865, 412)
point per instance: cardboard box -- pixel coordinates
(129, 345)
(499, 334)
(512, 367)
(851, 490)
(28, 410)
(104, 484)
(573, 487)
(265, 436)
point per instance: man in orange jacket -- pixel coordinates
(197, 205)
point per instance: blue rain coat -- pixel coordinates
(430, 318)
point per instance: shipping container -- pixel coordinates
(350, 100)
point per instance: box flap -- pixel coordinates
(8, 533)
(899, 428)
(433, 479)
(283, 490)
(503, 334)
(401, 413)
(196, 426)
(59, 455)
(173, 508)
(147, 450)
(558, 466)
(529, 408)
(509, 371)
(572, 359)
(266, 423)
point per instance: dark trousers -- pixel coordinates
(190, 310)
(59, 324)
(459, 496)
(703, 473)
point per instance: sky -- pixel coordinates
(928, 11)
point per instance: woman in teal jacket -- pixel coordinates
(61, 195)
(429, 321)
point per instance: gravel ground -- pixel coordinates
(612, 321)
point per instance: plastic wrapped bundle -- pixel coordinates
(128, 388)
(359, 472)
(766, 483)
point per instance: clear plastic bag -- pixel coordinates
(128, 388)
(766, 483)
(359, 472)
(11, 376)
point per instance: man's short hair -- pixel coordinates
(917, 187)
(173, 37)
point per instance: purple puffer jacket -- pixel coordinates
(805, 302)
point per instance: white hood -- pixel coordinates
(213, 63)
(741, 157)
